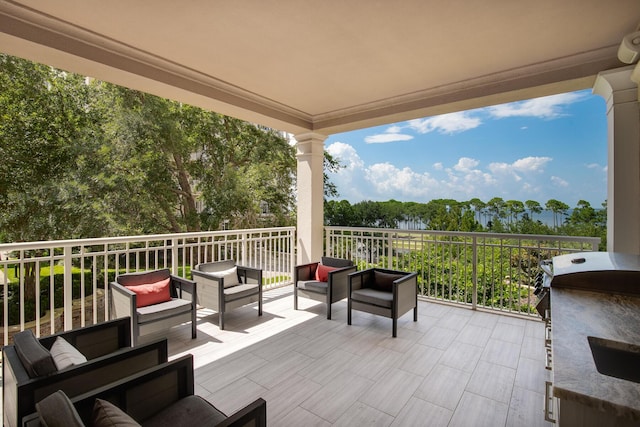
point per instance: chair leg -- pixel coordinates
(328, 311)
(415, 313)
(395, 327)
(260, 306)
(221, 320)
(349, 312)
(194, 326)
(295, 297)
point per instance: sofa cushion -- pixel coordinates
(373, 296)
(190, 411)
(163, 310)
(56, 410)
(35, 358)
(336, 262)
(106, 414)
(322, 272)
(313, 286)
(384, 281)
(65, 355)
(151, 293)
(240, 291)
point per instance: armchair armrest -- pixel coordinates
(123, 302)
(183, 285)
(254, 414)
(405, 292)
(250, 273)
(358, 279)
(305, 271)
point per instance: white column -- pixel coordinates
(310, 154)
(623, 174)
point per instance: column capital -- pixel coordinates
(309, 144)
(310, 136)
(616, 86)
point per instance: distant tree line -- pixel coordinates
(495, 215)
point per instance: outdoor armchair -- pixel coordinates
(30, 372)
(325, 281)
(154, 300)
(224, 286)
(387, 293)
(161, 396)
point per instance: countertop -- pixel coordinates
(576, 314)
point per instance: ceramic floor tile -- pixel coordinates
(479, 411)
(461, 356)
(420, 359)
(444, 386)
(362, 415)
(418, 412)
(501, 353)
(438, 337)
(492, 381)
(392, 391)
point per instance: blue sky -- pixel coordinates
(553, 147)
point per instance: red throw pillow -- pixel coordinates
(322, 272)
(151, 293)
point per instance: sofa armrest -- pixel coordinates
(338, 282)
(155, 389)
(305, 271)
(254, 414)
(96, 340)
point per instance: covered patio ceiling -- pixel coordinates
(326, 66)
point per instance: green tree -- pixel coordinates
(533, 207)
(558, 208)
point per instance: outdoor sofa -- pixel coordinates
(29, 373)
(160, 396)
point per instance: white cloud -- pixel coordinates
(346, 154)
(465, 164)
(548, 107)
(392, 134)
(559, 181)
(446, 123)
(387, 180)
(596, 166)
(438, 166)
(526, 164)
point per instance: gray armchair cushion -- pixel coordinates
(384, 281)
(336, 262)
(313, 286)
(190, 411)
(106, 414)
(35, 358)
(163, 310)
(373, 296)
(56, 410)
(240, 291)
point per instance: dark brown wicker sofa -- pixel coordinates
(29, 372)
(160, 396)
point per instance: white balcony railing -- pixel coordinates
(494, 271)
(489, 270)
(72, 275)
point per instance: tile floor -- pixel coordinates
(454, 367)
